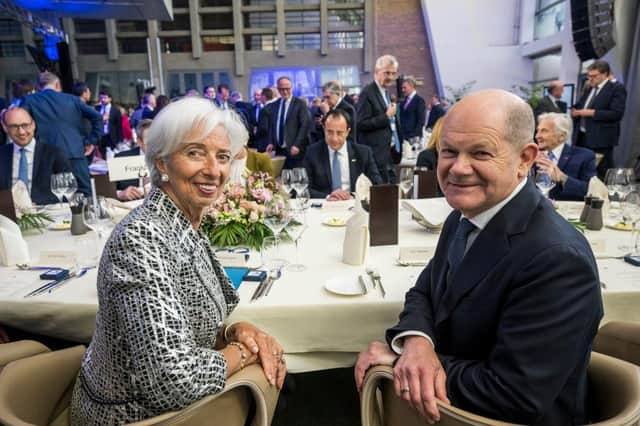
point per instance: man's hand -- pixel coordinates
(269, 148)
(324, 107)
(294, 151)
(576, 113)
(339, 195)
(378, 353)
(549, 167)
(88, 149)
(391, 110)
(419, 377)
(130, 194)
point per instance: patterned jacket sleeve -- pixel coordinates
(172, 370)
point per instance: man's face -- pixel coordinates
(210, 93)
(331, 98)
(335, 132)
(19, 125)
(105, 99)
(152, 101)
(557, 91)
(257, 96)
(86, 95)
(223, 94)
(596, 77)
(477, 168)
(284, 88)
(407, 89)
(546, 135)
(386, 75)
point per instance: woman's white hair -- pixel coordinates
(194, 118)
(562, 124)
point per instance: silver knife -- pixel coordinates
(259, 289)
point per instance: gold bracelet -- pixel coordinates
(243, 355)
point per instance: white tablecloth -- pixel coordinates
(318, 329)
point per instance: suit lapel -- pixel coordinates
(326, 164)
(354, 167)
(564, 156)
(491, 245)
(381, 101)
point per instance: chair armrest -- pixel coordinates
(619, 340)
(21, 349)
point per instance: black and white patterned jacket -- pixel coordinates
(162, 300)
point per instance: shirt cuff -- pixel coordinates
(397, 344)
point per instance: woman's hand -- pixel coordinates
(237, 356)
(265, 347)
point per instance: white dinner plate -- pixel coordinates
(334, 222)
(344, 286)
(59, 226)
(619, 226)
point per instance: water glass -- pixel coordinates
(86, 251)
(544, 183)
(63, 184)
(97, 218)
(295, 228)
(272, 257)
(300, 180)
(276, 215)
(406, 181)
(286, 181)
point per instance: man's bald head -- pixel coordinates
(19, 125)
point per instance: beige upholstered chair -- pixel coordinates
(615, 388)
(620, 340)
(37, 391)
(278, 164)
(17, 350)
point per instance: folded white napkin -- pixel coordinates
(356, 236)
(13, 248)
(21, 198)
(428, 212)
(363, 188)
(117, 209)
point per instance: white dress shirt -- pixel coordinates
(105, 110)
(586, 105)
(480, 220)
(343, 156)
(30, 149)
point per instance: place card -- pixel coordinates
(124, 168)
(598, 246)
(415, 255)
(383, 215)
(57, 257)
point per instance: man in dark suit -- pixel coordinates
(264, 130)
(290, 125)
(332, 99)
(111, 123)
(511, 299)
(59, 117)
(253, 114)
(376, 116)
(334, 166)
(552, 102)
(128, 190)
(570, 167)
(412, 111)
(436, 111)
(598, 114)
(29, 160)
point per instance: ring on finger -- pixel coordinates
(404, 390)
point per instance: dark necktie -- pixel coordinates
(458, 245)
(283, 111)
(394, 130)
(23, 167)
(336, 172)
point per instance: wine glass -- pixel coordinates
(97, 217)
(631, 215)
(295, 228)
(276, 215)
(300, 180)
(272, 257)
(58, 186)
(544, 183)
(303, 199)
(286, 180)
(619, 183)
(406, 181)
(71, 186)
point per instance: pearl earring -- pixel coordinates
(164, 177)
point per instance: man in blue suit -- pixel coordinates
(29, 159)
(570, 167)
(413, 110)
(59, 117)
(334, 166)
(502, 319)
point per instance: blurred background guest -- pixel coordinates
(129, 189)
(428, 158)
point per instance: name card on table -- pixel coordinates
(383, 215)
(57, 258)
(124, 168)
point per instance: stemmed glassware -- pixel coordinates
(286, 181)
(631, 215)
(63, 185)
(406, 181)
(300, 180)
(97, 217)
(276, 215)
(295, 228)
(272, 257)
(544, 183)
(619, 183)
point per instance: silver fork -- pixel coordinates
(376, 277)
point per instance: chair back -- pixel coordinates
(7, 208)
(278, 164)
(105, 187)
(427, 184)
(619, 339)
(12, 351)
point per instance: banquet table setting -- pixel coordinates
(323, 315)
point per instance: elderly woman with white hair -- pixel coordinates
(570, 167)
(160, 342)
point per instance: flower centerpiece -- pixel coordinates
(237, 217)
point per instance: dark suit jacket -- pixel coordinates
(59, 117)
(316, 161)
(428, 158)
(115, 123)
(124, 184)
(603, 129)
(436, 113)
(47, 160)
(546, 105)
(374, 127)
(579, 164)
(514, 326)
(412, 118)
(297, 123)
(353, 118)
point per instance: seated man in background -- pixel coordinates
(29, 159)
(129, 189)
(570, 167)
(502, 319)
(334, 166)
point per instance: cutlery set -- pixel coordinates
(52, 286)
(264, 287)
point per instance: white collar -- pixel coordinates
(30, 147)
(601, 85)
(557, 151)
(343, 151)
(482, 219)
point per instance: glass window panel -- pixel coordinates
(225, 78)
(92, 46)
(214, 3)
(9, 27)
(11, 49)
(132, 45)
(543, 4)
(302, 18)
(131, 26)
(190, 81)
(302, 41)
(89, 26)
(207, 79)
(549, 21)
(346, 40)
(176, 44)
(174, 85)
(180, 22)
(259, 2)
(259, 19)
(352, 17)
(266, 42)
(217, 43)
(546, 67)
(217, 21)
